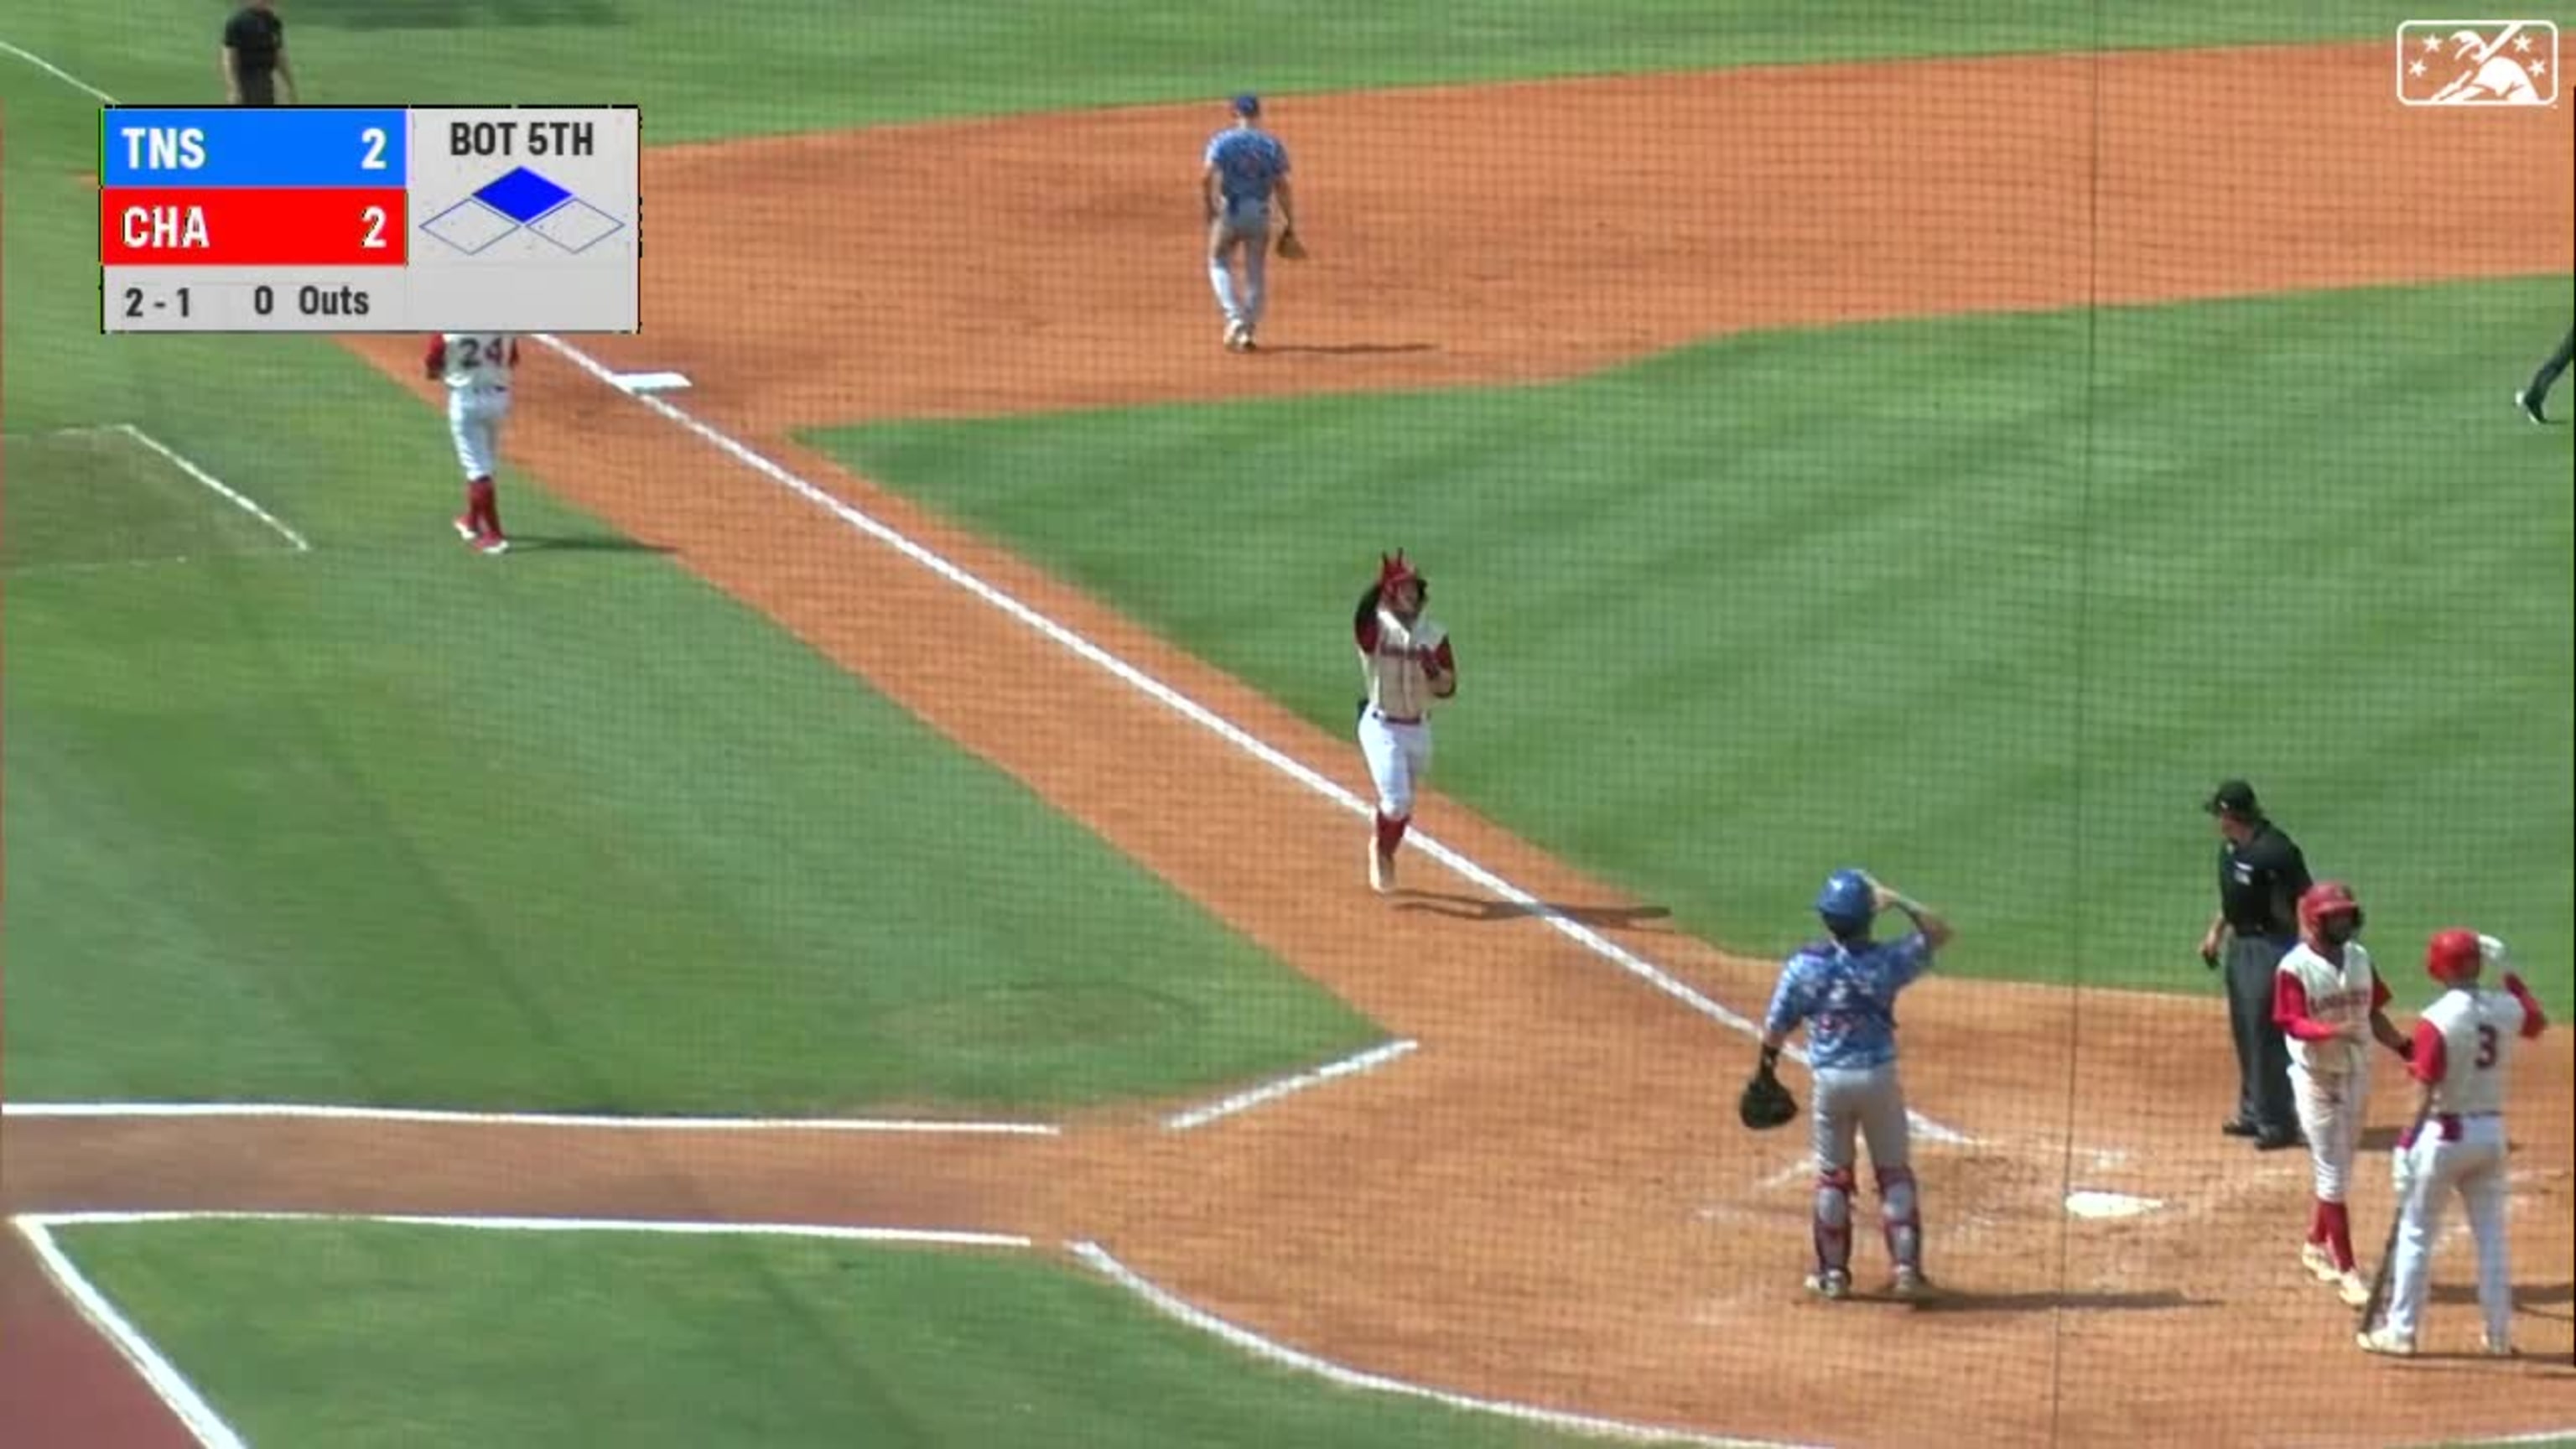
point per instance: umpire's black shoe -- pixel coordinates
(2275, 1140)
(2529, 402)
(2239, 1127)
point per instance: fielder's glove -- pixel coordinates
(1766, 1103)
(1291, 245)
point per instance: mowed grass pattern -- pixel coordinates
(390, 822)
(403, 1335)
(304, 833)
(1986, 604)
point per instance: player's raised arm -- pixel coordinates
(1934, 929)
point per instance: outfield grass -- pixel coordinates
(800, 64)
(411, 1335)
(1915, 596)
(392, 822)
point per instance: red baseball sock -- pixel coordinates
(482, 505)
(1390, 832)
(2339, 1234)
(2317, 1230)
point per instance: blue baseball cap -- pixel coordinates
(1247, 104)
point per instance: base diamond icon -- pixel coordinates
(576, 226)
(522, 195)
(469, 226)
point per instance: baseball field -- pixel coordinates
(856, 930)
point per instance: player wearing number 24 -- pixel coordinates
(477, 369)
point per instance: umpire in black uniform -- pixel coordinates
(254, 56)
(2261, 875)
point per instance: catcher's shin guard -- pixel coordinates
(1900, 1217)
(1833, 1220)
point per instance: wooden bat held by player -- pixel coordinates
(2378, 1298)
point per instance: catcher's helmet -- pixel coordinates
(2325, 901)
(2452, 957)
(1847, 903)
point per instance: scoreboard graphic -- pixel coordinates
(386, 219)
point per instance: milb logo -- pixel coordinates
(2477, 63)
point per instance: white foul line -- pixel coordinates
(1188, 708)
(57, 72)
(831, 1232)
(301, 1111)
(239, 500)
(173, 1389)
(1272, 1351)
(1272, 1091)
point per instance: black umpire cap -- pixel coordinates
(2234, 799)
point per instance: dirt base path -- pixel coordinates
(1547, 1203)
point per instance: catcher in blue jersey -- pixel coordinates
(1843, 990)
(1243, 184)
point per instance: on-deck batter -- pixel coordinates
(477, 368)
(1844, 992)
(2325, 995)
(1406, 664)
(2463, 1058)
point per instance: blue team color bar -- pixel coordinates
(253, 146)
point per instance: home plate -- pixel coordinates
(2109, 1204)
(649, 381)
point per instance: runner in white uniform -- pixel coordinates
(2463, 1057)
(1406, 664)
(477, 368)
(2327, 998)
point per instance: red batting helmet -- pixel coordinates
(2452, 957)
(1395, 569)
(2323, 902)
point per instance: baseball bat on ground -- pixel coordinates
(2396, 1223)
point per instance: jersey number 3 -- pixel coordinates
(2486, 1046)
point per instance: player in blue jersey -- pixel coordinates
(1243, 181)
(1843, 991)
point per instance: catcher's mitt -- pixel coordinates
(1766, 1103)
(1292, 246)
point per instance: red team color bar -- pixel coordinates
(232, 226)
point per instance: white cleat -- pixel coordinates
(465, 528)
(1238, 337)
(2353, 1288)
(2497, 1348)
(2319, 1263)
(2386, 1340)
(1909, 1285)
(1830, 1284)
